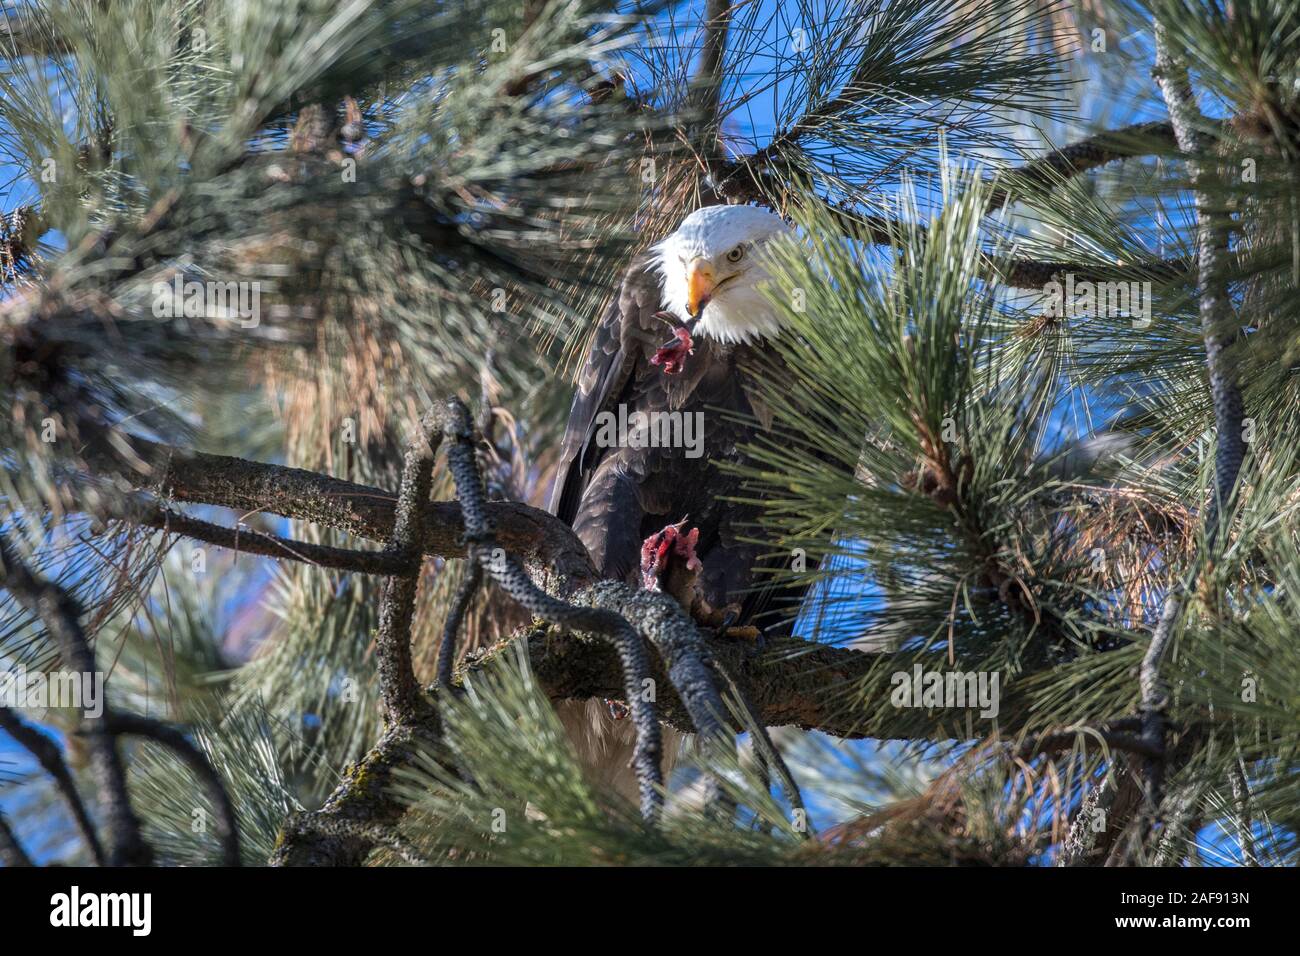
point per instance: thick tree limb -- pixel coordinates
(398, 689)
(785, 694)
(543, 542)
(344, 831)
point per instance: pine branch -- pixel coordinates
(742, 181)
(126, 847)
(252, 487)
(1212, 227)
(347, 827)
(625, 632)
(1078, 843)
(1216, 316)
(12, 853)
(50, 758)
(167, 736)
(1115, 800)
(61, 615)
(397, 685)
(20, 230)
(1100, 149)
(1155, 698)
(1241, 816)
(455, 617)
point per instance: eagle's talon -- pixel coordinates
(672, 354)
(727, 627)
(747, 633)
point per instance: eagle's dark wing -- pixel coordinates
(614, 497)
(628, 334)
(745, 569)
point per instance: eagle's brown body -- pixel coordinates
(615, 497)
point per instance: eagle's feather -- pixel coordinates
(615, 497)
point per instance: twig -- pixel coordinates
(451, 627)
(47, 754)
(1111, 736)
(1155, 699)
(249, 541)
(1241, 812)
(168, 736)
(1141, 139)
(11, 851)
(766, 751)
(1078, 844)
(61, 615)
(1216, 312)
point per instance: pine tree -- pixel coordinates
(292, 292)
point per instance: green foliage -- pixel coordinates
(251, 753)
(512, 792)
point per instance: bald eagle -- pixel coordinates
(639, 477)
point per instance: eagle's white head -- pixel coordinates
(711, 270)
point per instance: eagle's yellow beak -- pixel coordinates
(699, 285)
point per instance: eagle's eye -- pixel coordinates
(736, 254)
